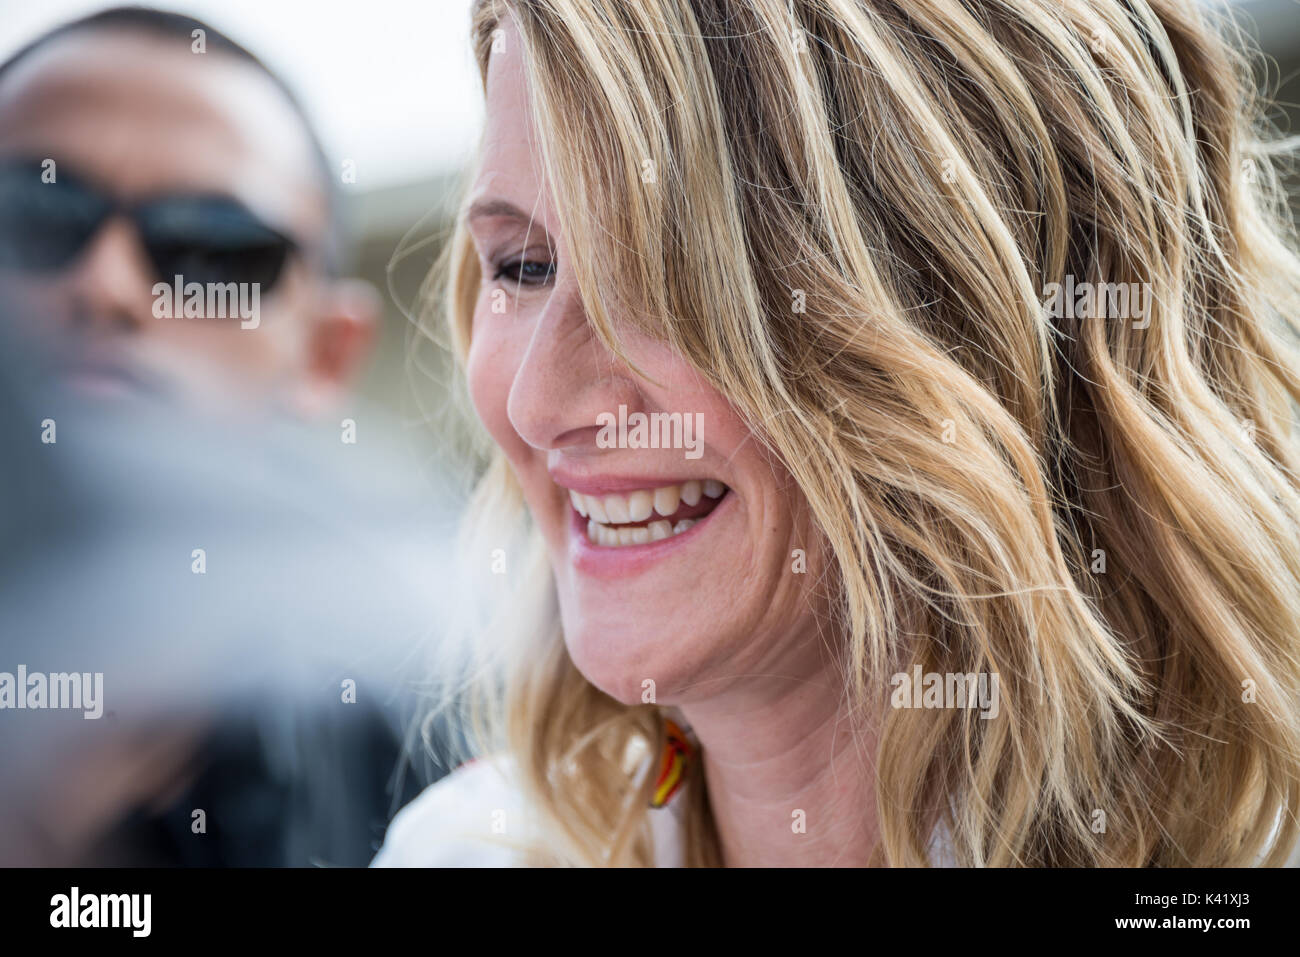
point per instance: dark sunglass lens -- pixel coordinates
(44, 226)
(212, 241)
(207, 263)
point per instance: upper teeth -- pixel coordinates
(637, 506)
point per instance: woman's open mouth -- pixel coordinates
(646, 515)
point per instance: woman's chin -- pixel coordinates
(630, 662)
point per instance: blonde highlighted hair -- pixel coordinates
(1103, 513)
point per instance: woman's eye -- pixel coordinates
(525, 272)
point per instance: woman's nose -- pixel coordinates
(566, 378)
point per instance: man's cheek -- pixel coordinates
(33, 308)
(18, 292)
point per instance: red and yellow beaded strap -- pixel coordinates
(677, 756)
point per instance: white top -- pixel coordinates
(476, 817)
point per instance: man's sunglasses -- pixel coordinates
(202, 238)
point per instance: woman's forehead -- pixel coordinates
(510, 168)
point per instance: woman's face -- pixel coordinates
(677, 565)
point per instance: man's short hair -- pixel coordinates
(169, 25)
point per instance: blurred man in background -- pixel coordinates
(140, 152)
(137, 146)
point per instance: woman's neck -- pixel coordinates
(790, 777)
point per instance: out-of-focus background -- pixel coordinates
(271, 691)
(391, 87)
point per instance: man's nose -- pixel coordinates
(112, 282)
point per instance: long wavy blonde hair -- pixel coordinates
(856, 210)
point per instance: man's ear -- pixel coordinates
(341, 338)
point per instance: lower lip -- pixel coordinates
(605, 561)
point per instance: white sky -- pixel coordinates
(390, 84)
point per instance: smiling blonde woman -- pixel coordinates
(984, 310)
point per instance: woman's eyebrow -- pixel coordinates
(497, 208)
